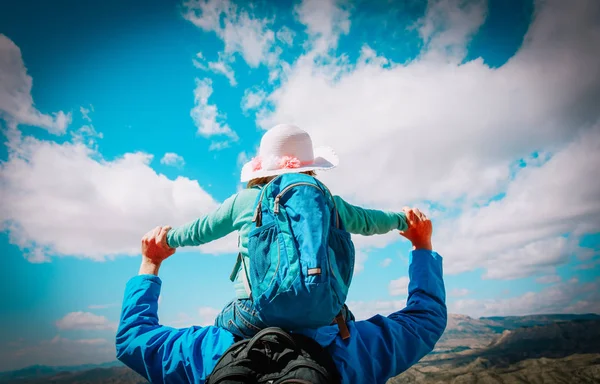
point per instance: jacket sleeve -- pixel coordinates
(159, 353)
(213, 226)
(390, 345)
(368, 222)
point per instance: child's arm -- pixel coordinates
(368, 222)
(213, 226)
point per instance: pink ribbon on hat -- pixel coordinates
(285, 162)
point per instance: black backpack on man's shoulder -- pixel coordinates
(274, 356)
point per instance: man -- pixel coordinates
(379, 348)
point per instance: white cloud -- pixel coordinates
(58, 351)
(522, 233)
(172, 159)
(241, 31)
(253, 99)
(181, 320)
(221, 66)
(548, 279)
(85, 113)
(446, 26)
(589, 265)
(16, 103)
(85, 321)
(64, 199)
(386, 262)
(206, 116)
(87, 135)
(205, 316)
(285, 35)
(459, 292)
(208, 315)
(484, 118)
(325, 21)
(360, 258)
(218, 145)
(450, 133)
(566, 297)
(535, 257)
(399, 286)
(242, 158)
(365, 309)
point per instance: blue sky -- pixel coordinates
(129, 115)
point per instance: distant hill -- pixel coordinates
(43, 371)
(464, 332)
(112, 375)
(499, 350)
(560, 351)
(573, 369)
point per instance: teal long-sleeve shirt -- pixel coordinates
(236, 212)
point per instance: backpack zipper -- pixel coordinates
(278, 197)
(276, 210)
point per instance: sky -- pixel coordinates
(126, 115)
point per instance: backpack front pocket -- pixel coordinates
(343, 255)
(265, 257)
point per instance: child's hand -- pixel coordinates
(163, 239)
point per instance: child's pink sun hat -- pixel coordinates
(286, 148)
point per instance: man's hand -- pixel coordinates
(155, 250)
(419, 229)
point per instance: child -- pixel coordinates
(283, 149)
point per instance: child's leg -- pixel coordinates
(239, 318)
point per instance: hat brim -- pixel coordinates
(325, 158)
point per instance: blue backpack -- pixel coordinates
(301, 257)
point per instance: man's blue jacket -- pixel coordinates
(379, 348)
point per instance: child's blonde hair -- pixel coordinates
(265, 180)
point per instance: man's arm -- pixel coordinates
(205, 229)
(404, 337)
(387, 346)
(369, 222)
(159, 353)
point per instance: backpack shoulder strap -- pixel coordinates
(330, 195)
(241, 263)
(257, 218)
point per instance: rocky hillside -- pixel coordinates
(112, 375)
(565, 351)
(464, 332)
(574, 369)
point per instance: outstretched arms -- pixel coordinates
(208, 228)
(160, 353)
(387, 346)
(368, 222)
(405, 336)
